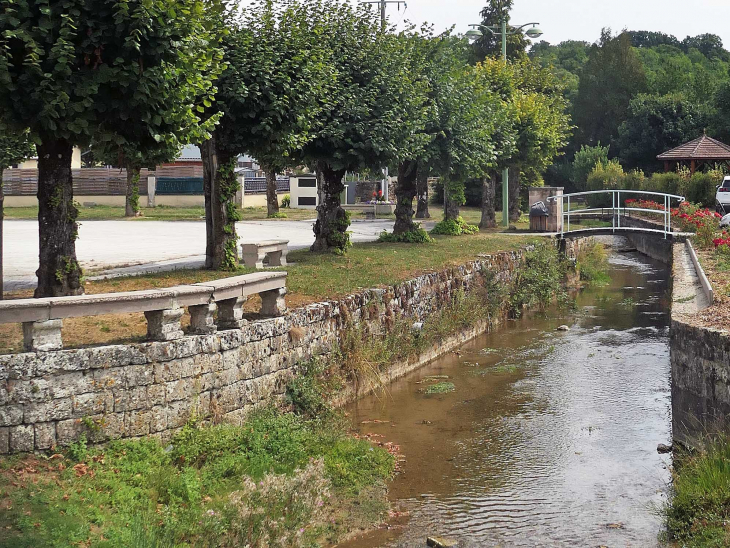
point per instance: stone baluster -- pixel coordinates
(273, 303)
(164, 325)
(202, 321)
(42, 336)
(230, 313)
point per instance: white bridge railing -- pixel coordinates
(617, 207)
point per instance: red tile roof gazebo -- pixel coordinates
(701, 151)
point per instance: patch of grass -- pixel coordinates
(415, 236)
(278, 478)
(159, 213)
(699, 511)
(454, 227)
(628, 302)
(440, 388)
(592, 264)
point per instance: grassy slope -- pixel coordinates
(276, 476)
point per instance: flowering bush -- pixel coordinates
(644, 204)
(378, 197)
(703, 222)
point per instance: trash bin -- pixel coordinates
(538, 217)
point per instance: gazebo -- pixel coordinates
(703, 150)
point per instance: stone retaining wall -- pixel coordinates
(133, 390)
(700, 358)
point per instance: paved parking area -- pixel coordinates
(145, 246)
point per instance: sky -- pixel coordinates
(582, 19)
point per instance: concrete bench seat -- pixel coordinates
(42, 318)
(254, 254)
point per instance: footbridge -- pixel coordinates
(619, 208)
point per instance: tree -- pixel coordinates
(283, 80)
(74, 70)
(710, 45)
(490, 44)
(612, 77)
(650, 39)
(583, 163)
(363, 122)
(13, 150)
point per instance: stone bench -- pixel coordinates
(275, 250)
(42, 319)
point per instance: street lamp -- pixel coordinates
(476, 32)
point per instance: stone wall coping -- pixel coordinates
(704, 281)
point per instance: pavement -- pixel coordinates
(121, 248)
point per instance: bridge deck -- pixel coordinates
(611, 231)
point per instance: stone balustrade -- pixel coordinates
(42, 319)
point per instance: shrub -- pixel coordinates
(701, 188)
(278, 215)
(539, 281)
(585, 161)
(286, 201)
(592, 264)
(454, 227)
(703, 222)
(607, 176)
(416, 236)
(668, 183)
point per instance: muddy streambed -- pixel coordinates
(550, 437)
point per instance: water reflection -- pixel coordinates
(550, 438)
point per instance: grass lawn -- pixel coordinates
(160, 213)
(312, 277)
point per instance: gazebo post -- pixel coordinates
(692, 167)
(666, 166)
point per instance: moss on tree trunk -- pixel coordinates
(422, 193)
(272, 199)
(58, 272)
(131, 205)
(405, 191)
(488, 197)
(220, 186)
(330, 230)
(514, 194)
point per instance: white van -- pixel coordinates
(723, 196)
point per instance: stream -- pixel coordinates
(550, 437)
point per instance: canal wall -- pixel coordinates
(651, 245)
(700, 357)
(153, 389)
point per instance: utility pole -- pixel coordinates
(384, 184)
(382, 4)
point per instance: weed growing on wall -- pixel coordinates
(592, 265)
(539, 281)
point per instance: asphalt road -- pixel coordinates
(128, 247)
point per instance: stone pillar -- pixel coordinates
(230, 313)
(273, 303)
(164, 325)
(278, 258)
(555, 208)
(202, 321)
(241, 192)
(252, 256)
(42, 336)
(151, 190)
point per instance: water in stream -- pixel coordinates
(550, 437)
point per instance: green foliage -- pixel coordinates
(539, 281)
(441, 388)
(607, 176)
(286, 201)
(416, 236)
(63, 67)
(454, 227)
(656, 124)
(612, 76)
(592, 265)
(490, 44)
(308, 391)
(14, 148)
(699, 509)
(585, 160)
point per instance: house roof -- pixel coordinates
(702, 148)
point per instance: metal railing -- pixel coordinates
(617, 207)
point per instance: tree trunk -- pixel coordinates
(330, 230)
(59, 273)
(405, 191)
(514, 194)
(131, 206)
(220, 186)
(210, 166)
(488, 192)
(422, 192)
(451, 207)
(272, 199)
(2, 219)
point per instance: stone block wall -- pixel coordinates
(153, 389)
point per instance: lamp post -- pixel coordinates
(474, 34)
